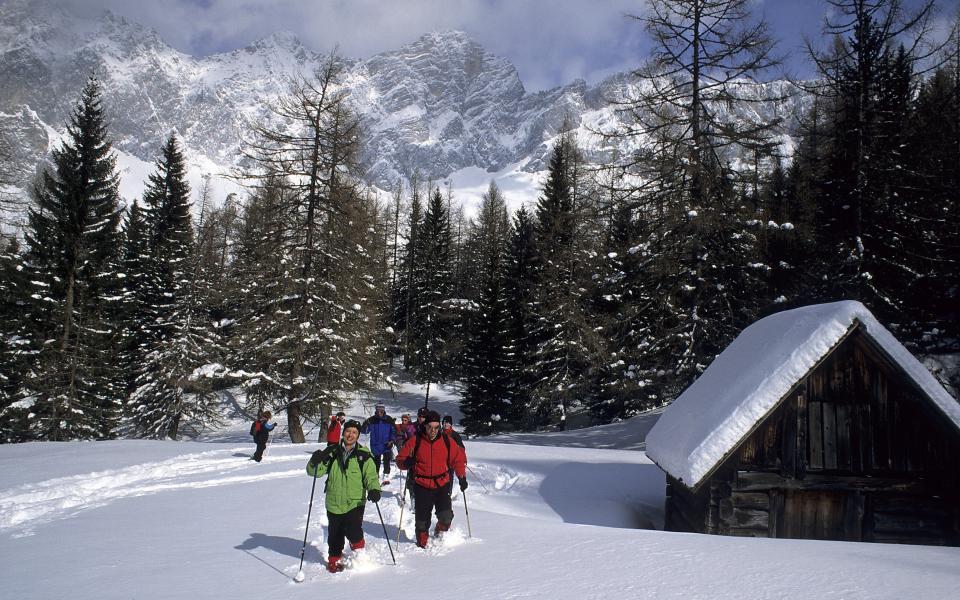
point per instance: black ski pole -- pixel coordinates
(385, 536)
(303, 548)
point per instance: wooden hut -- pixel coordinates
(814, 423)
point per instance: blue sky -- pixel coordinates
(551, 42)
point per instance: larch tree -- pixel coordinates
(313, 153)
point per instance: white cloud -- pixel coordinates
(549, 41)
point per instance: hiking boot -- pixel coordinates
(358, 546)
(439, 530)
(385, 482)
(333, 564)
(422, 538)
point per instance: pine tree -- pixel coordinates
(171, 389)
(488, 403)
(623, 301)
(14, 425)
(72, 263)
(567, 347)
(865, 82)
(434, 280)
(933, 234)
(521, 323)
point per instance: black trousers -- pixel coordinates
(386, 458)
(348, 525)
(426, 500)
(261, 446)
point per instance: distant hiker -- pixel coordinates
(430, 456)
(333, 429)
(453, 435)
(382, 435)
(351, 481)
(448, 430)
(405, 431)
(421, 413)
(260, 430)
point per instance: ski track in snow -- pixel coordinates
(26, 506)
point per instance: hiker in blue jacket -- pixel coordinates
(382, 435)
(261, 433)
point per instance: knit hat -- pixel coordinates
(431, 416)
(448, 419)
(421, 411)
(352, 423)
(379, 407)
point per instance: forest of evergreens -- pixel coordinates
(605, 298)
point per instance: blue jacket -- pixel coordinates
(263, 434)
(381, 432)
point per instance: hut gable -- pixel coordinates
(748, 381)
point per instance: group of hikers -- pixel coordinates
(429, 450)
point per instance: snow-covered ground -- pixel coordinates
(152, 519)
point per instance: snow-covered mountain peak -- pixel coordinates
(439, 105)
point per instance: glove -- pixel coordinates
(320, 456)
(463, 484)
(373, 496)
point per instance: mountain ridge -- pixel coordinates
(438, 105)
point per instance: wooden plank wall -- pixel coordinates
(853, 453)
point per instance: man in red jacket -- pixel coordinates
(430, 456)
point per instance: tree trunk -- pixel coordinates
(294, 427)
(174, 430)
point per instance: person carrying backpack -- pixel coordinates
(454, 436)
(382, 435)
(351, 481)
(334, 428)
(260, 430)
(430, 456)
(405, 430)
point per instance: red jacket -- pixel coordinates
(333, 432)
(432, 464)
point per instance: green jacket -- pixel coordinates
(347, 486)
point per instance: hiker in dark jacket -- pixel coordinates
(351, 481)
(454, 436)
(261, 433)
(382, 435)
(430, 456)
(448, 430)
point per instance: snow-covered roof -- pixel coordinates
(749, 379)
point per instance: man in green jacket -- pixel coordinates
(351, 480)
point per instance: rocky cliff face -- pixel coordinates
(438, 105)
